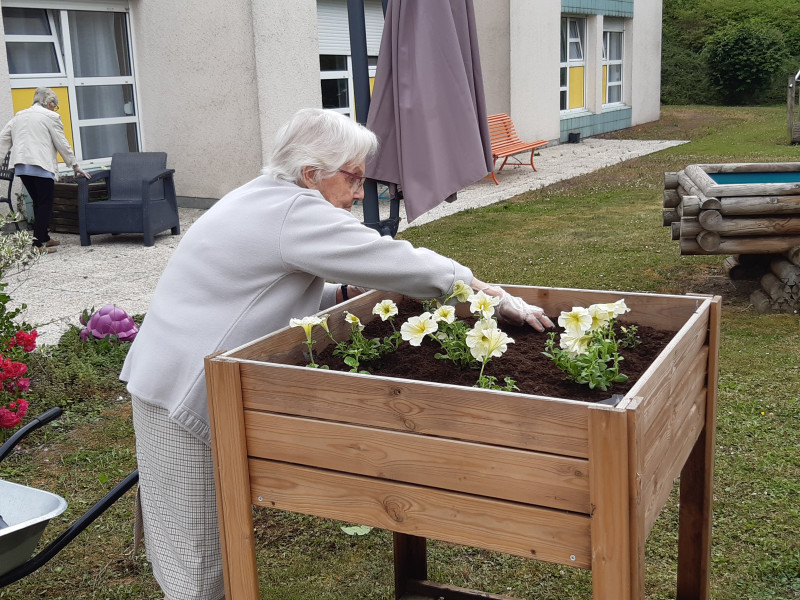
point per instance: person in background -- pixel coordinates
(263, 254)
(35, 137)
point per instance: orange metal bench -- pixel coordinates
(506, 143)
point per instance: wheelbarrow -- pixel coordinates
(26, 511)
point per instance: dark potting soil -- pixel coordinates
(523, 362)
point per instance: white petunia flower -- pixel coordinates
(600, 316)
(385, 309)
(575, 344)
(354, 321)
(461, 291)
(485, 340)
(307, 323)
(416, 328)
(445, 313)
(483, 303)
(577, 321)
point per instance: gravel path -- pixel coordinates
(120, 270)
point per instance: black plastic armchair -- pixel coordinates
(141, 198)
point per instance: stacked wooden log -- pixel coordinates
(780, 285)
(753, 224)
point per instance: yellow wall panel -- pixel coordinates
(23, 98)
(605, 83)
(576, 85)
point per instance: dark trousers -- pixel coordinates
(40, 189)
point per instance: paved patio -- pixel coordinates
(120, 270)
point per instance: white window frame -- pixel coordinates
(349, 110)
(607, 63)
(573, 62)
(66, 78)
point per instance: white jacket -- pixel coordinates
(35, 135)
(260, 256)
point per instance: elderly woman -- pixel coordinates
(35, 135)
(260, 256)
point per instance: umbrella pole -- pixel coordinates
(358, 54)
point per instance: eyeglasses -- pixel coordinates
(357, 181)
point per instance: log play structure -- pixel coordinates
(749, 211)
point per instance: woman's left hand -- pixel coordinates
(79, 171)
(513, 309)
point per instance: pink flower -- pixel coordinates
(11, 416)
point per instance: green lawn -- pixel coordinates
(601, 231)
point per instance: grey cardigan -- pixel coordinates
(259, 257)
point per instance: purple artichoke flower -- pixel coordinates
(108, 321)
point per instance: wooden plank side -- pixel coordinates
(229, 450)
(608, 468)
(470, 414)
(659, 422)
(664, 472)
(494, 471)
(665, 375)
(508, 527)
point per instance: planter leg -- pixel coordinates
(410, 561)
(694, 528)
(697, 485)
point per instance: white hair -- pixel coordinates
(45, 97)
(323, 139)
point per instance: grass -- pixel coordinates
(599, 231)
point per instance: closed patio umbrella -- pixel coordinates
(428, 107)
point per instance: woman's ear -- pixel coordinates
(309, 179)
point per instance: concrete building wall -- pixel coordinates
(215, 84)
(493, 24)
(198, 98)
(534, 57)
(646, 68)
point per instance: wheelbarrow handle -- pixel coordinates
(37, 422)
(70, 533)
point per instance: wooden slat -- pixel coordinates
(608, 464)
(502, 418)
(658, 488)
(509, 527)
(659, 417)
(232, 479)
(494, 471)
(656, 385)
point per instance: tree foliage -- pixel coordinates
(743, 59)
(689, 25)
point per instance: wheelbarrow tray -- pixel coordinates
(27, 511)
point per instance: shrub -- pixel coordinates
(743, 59)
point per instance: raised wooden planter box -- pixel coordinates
(65, 205)
(545, 478)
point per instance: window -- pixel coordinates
(612, 67)
(85, 57)
(336, 73)
(573, 64)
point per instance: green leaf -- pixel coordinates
(356, 529)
